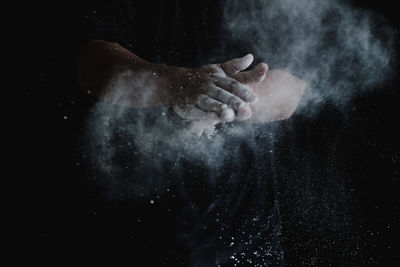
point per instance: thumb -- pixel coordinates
(237, 64)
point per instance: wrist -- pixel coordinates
(160, 83)
(169, 82)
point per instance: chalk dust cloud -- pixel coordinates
(341, 52)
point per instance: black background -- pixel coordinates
(53, 217)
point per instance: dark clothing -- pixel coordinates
(169, 206)
(174, 32)
(337, 170)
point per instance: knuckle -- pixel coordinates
(198, 99)
(246, 92)
(214, 66)
(233, 84)
(241, 91)
(209, 90)
(219, 93)
(233, 100)
(215, 69)
(211, 68)
(204, 100)
(204, 88)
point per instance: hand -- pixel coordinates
(217, 93)
(279, 95)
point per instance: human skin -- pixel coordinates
(209, 94)
(279, 95)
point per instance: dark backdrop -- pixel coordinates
(52, 215)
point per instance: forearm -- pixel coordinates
(107, 70)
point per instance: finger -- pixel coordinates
(252, 77)
(208, 103)
(214, 70)
(238, 89)
(225, 97)
(198, 127)
(227, 115)
(242, 108)
(244, 112)
(237, 64)
(191, 112)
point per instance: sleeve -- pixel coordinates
(107, 20)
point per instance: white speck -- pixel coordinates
(65, 117)
(151, 201)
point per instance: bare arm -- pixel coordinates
(115, 74)
(207, 95)
(101, 64)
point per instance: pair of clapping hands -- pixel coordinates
(218, 93)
